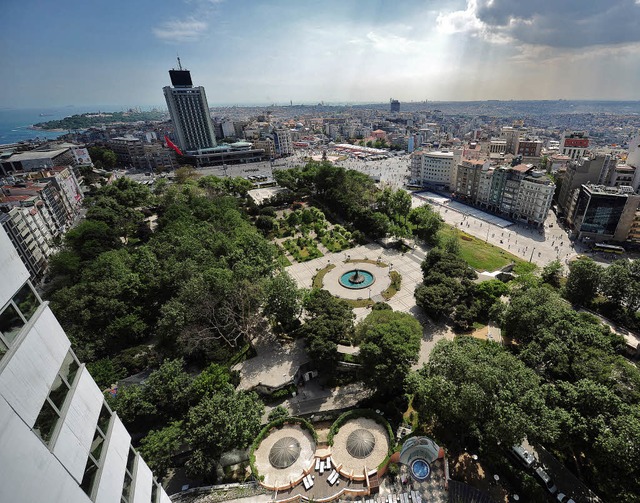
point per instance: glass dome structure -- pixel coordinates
(284, 452)
(360, 443)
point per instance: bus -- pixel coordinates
(618, 250)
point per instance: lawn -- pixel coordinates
(484, 256)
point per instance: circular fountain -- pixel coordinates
(356, 279)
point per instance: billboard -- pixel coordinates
(576, 142)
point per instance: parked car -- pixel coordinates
(523, 456)
(546, 480)
(563, 498)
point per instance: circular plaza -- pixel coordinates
(357, 279)
(360, 444)
(284, 455)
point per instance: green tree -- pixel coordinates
(427, 223)
(552, 273)
(211, 380)
(463, 388)
(450, 243)
(278, 412)
(583, 281)
(615, 282)
(159, 447)
(227, 420)
(390, 345)
(283, 301)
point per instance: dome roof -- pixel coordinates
(284, 452)
(360, 443)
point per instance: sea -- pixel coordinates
(14, 122)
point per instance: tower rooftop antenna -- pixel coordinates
(179, 64)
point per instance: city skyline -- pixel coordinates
(275, 52)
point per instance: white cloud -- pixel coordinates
(186, 30)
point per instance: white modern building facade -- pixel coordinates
(59, 440)
(189, 112)
(435, 169)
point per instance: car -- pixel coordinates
(546, 480)
(523, 455)
(563, 498)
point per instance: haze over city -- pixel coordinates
(84, 53)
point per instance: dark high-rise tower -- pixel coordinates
(189, 112)
(394, 105)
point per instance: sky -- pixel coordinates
(86, 52)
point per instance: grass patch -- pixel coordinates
(359, 302)
(366, 261)
(394, 287)
(318, 279)
(283, 261)
(483, 256)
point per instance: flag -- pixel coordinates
(172, 145)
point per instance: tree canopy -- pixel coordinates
(389, 345)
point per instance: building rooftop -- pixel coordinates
(34, 155)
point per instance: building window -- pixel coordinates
(154, 491)
(16, 314)
(96, 451)
(128, 476)
(51, 410)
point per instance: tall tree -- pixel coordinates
(227, 420)
(390, 345)
(283, 301)
(463, 388)
(583, 281)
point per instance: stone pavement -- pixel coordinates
(275, 363)
(407, 264)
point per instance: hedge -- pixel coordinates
(278, 423)
(366, 413)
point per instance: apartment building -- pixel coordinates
(60, 440)
(35, 209)
(519, 192)
(435, 169)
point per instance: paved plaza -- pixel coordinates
(537, 245)
(407, 264)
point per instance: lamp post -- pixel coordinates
(531, 257)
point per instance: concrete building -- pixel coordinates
(435, 169)
(60, 440)
(129, 150)
(29, 227)
(133, 152)
(534, 197)
(394, 106)
(189, 112)
(528, 148)
(468, 174)
(519, 192)
(282, 141)
(510, 135)
(497, 147)
(34, 160)
(267, 145)
(574, 144)
(604, 213)
(593, 170)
